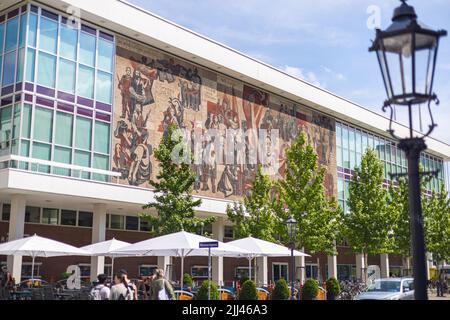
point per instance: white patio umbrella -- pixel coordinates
(180, 244)
(105, 249)
(261, 248)
(36, 246)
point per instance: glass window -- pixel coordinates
(20, 65)
(351, 138)
(228, 232)
(339, 157)
(48, 36)
(82, 159)
(85, 82)
(100, 162)
(105, 55)
(358, 141)
(68, 42)
(11, 34)
(66, 75)
(44, 124)
(104, 87)
(5, 125)
(41, 151)
(46, 70)
(62, 155)
(6, 211)
(26, 121)
(33, 214)
(101, 143)
(2, 32)
(64, 126)
(32, 29)
(9, 68)
(50, 216)
(85, 219)
(68, 218)
(132, 223)
(16, 121)
(116, 222)
(344, 137)
(31, 58)
(25, 149)
(341, 189)
(144, 225)
(346, 157)
(83, 135)
(338, 135)
(22, 31)
(87, 49)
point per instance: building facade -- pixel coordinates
(86, 98)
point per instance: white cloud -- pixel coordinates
(309, 76)
(336, 75)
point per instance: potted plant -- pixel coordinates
(333, 288)
(310, 290)
(202, 293)
(187, 280)
(281, 290)
(248, 291)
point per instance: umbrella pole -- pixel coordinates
(112, 268)
(32, 270)
(250, 268)
(182, 274)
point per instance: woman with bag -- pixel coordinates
(160, 288)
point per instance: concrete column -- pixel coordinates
(360, 267)
(16, 231)
(300, 265)
(262, 271)
(98, 235)
(384, 265)
(163, 262)
(332, 266)
(218, 230)
(407, 270)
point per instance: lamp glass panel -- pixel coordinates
(425, 54)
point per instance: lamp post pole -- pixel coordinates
(412, 148)
(291, 223)
(292, 271)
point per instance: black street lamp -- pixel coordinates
(407, 53)
(291, 224)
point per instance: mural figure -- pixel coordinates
(124, 87)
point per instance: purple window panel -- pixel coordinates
(85, 102)
(87, 29)
(106, 36)
(29, 97)
(2, 18)
(13, 13)
(7, 90)
(46, 91)
(34, 9)
(6, 101)
(18, 98)
(84, 112)
(64, 20)
(65, 107)
(44, 102)
(103, 106)
(29, 86)
(19, 86)
(66, 96)
(102, 116)
(49, 15)
(23, 9)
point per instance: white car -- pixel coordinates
(389, 289)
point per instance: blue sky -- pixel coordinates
(323, 41)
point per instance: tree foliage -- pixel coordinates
(368, 224)
(437, 225)
(303, 192)
(174, 204)
(255, 215)
(248, 291)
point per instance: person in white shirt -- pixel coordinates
(101, 291)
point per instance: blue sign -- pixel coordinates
(210, 244)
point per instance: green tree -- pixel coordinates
(368, 224)
(399, 208)
(202, 293)
(310, 290)
(281, 290)
(437, 225)
(303, 192)
(255, 215)
(248, 291)
(174, 204)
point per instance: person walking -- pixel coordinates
(101, 290)
(119, 291)
(130, 285)
(160, 288)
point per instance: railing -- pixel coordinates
(60, 169)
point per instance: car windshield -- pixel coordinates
(384, 286)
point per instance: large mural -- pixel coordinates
(154, 90)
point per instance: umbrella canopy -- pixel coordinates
(36, 246)
(180, 244)
(105, 248)
(262, 248)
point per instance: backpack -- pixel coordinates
(95, 293)
(130, 292)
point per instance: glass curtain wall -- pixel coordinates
(351, 143)
(56, 91)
